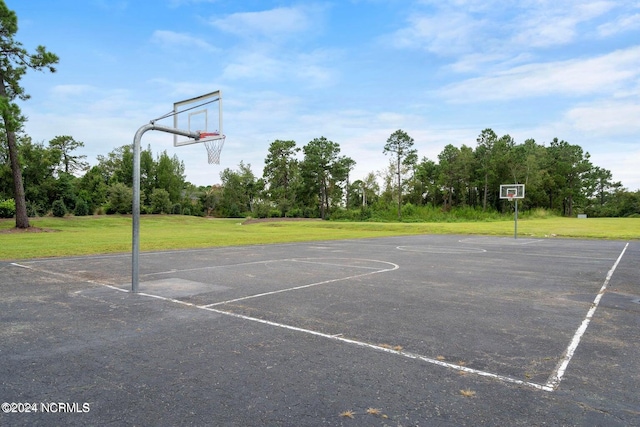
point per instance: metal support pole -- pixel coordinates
(515, 233)
(135, 243)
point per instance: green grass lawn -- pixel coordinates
(112, 234)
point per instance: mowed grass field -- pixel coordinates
(71, 236)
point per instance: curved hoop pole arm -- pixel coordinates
(135, 241)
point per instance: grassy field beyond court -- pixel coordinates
(52, 237)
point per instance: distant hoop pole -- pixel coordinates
(515, 227)
(135, 241)
(513, 192)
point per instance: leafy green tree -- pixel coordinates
(38, 174)
(363, 192)
(147, 172)
(599, 188)
(322, 170)
(486, 163)
(82, 208)
(466, 176)
(427, 173)
(210, 199)
(7, 208)
(160, 201)
(570, 164)
(400, 144)
(389, 183)
(6, 178)
(356, 196)
(59, 209)
(371, 188)
(449, 172)
(526, 166)
(170, 176)
(282, 174)
(627, 204)
(190, 204)
(117, 166)
(69, 163)
(65, 190)
(92, 188)
(339, 181)
(120, 198)
(14, 63)
(240, 189)
(253, 186)
(348, 164)
(413, 186)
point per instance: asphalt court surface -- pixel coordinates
(419, 330)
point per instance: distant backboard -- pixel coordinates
(512, 191)
(200, 114)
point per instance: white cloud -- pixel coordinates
(269, 23)
(447, 33)
(599, 75)
(624, 167)
(556, 23)
(177, 90)
(606, 118)
(64, 91)
(622, 24)
(308, 68)
(496, 28)
(178, 40)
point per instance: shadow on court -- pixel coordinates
(421, 330)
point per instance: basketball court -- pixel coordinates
(406, 331)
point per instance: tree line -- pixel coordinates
(310, 181)
(315, 181)
(558, 176)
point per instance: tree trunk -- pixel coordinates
(22, 219)
(486, 190)
(323, 196)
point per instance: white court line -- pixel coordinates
(338, 337)
(324, 282)
(556, 376)
(316, 261)
(408, 355)
(552, 255)
(69, 276)
(211, 267)
(440, 249)
(15, 264)
(500, 240)
(551, 385)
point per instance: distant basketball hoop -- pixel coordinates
(513, 192)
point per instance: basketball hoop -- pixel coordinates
(510, 197)
(213, 142)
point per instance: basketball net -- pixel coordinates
(214, 147)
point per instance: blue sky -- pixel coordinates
(353, 71)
